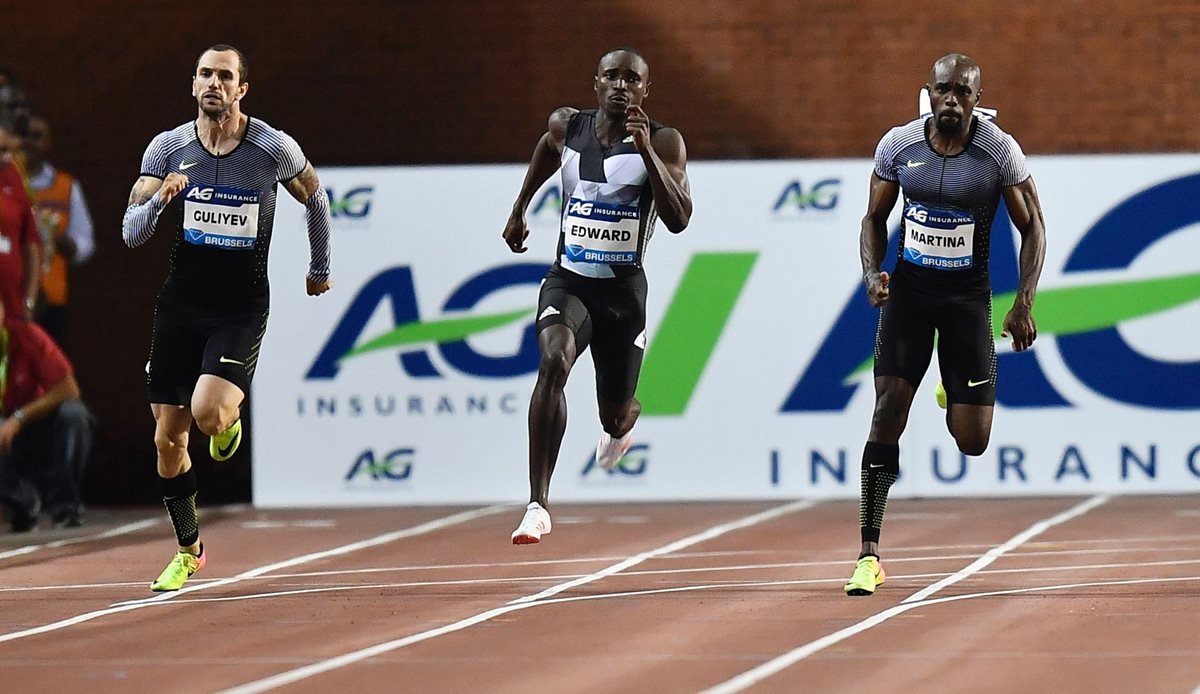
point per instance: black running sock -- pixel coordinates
(880, 468)
(179, 496)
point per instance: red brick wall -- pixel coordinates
(430, 81)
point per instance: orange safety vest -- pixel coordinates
(52, 210)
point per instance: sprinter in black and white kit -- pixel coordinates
(620, 172)
(215, 177)
(953, 168)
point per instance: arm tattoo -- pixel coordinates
(140, 193)
(304, 184)
(141, 216)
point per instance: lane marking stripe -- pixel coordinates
(362, 654)
(117, 608)
(781, 662)
(111, 532)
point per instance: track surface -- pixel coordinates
(1015, 595)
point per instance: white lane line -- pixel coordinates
(276, 524)
(548, 578)
(1016, 541)
(711, 533)
(901, 608)
(317, 668)
(322, 666)
(747, 583)
(892, 560)
(423, 528)
(779, 663)
(111, 532)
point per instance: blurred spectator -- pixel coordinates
(46, 431)
(20, 243)
(64, 222)
(14, 107)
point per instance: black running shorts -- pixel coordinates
(607, 314)
(965, 345)
(188, 342)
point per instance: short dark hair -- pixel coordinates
(243, 70)
(624, 49)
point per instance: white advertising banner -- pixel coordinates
(409, 382)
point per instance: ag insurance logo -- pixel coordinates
(414, 336)
(1084, 316)
(800, 201)
(675, 359)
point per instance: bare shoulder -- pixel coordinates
(668, 142)
(559, 121)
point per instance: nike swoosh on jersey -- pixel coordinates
(914, 164)
(185, 167)
(223, 360)
(972, 384)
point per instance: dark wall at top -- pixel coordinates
(439, 81)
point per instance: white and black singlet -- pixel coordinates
(597, 286)
(608, 210)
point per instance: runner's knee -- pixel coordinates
(170, 443)
(891, 411)
(212, 421)
(555, 364)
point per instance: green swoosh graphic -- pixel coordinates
(690, 330)
(1073, 310)
(447, 330)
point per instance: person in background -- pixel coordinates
(20, 244)
(64, 222)
(45, 429)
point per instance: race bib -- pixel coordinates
(600, 232)
(940, 239)
(220, 217)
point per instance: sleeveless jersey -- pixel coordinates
(608, 211)
(222, 220)
(949, 202)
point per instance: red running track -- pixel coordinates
(1017, 595)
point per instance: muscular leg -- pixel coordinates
(967, 356)
(971, 426)
(171, 426)
(215, 404)
(880, 465)
(548, 407)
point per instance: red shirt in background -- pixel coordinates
(17, 229)
(35, 365)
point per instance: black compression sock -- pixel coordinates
(179, 496)
(880, 468)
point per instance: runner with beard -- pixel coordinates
(953, 168)
(211, 314)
